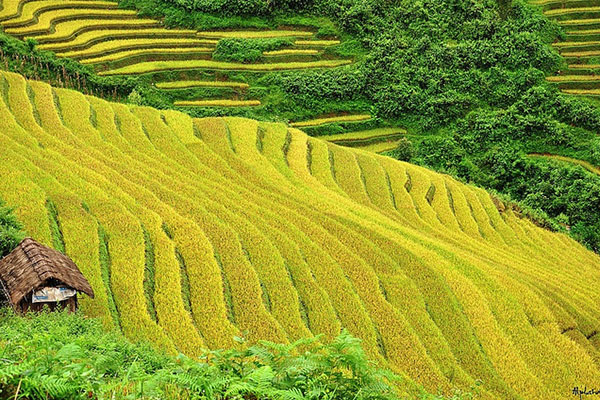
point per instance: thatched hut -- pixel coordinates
(33, 276)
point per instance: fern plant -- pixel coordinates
(65, 356)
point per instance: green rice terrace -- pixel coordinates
(580, 20)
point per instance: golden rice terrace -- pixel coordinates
(118, 42)
(179, 62)
(192, 231)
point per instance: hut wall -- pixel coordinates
(26, 305)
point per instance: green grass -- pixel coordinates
(574, 78)
(149, 270)
(582, 92)
(381, 147)
(573, 10)
(291, 52)
(58, 241)
(317, 42)
(590, 53)
(575, 44)
(584, 66)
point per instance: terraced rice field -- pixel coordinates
(590, 167)
(192, 231)
(376, 140)
(581, 21)
(194, 84)
(118, 42)
(330, 120)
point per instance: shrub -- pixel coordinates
(11, 230)
(135, 98)
(247, 50)
(404, 151)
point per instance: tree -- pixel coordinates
(404, 151)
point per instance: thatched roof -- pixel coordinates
(32, 266)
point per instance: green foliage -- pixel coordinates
(135, 98)
(65, 356)
(247, 50)
(58, 242)
(105, 267)
(149, 270)
(11, 230)
(404, 152)
(504, 8)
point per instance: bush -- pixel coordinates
(11, 230)
(247, 50)
(404, 151)
(135, 98)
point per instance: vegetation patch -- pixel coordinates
(291, 52)
(363, 138)
(247, 50)
(45, 356)
(149, 281)
(58, 241)
(316, 42)
(592, 168)
(105, 268)
(11, 230)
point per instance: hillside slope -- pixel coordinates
(192, 231)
